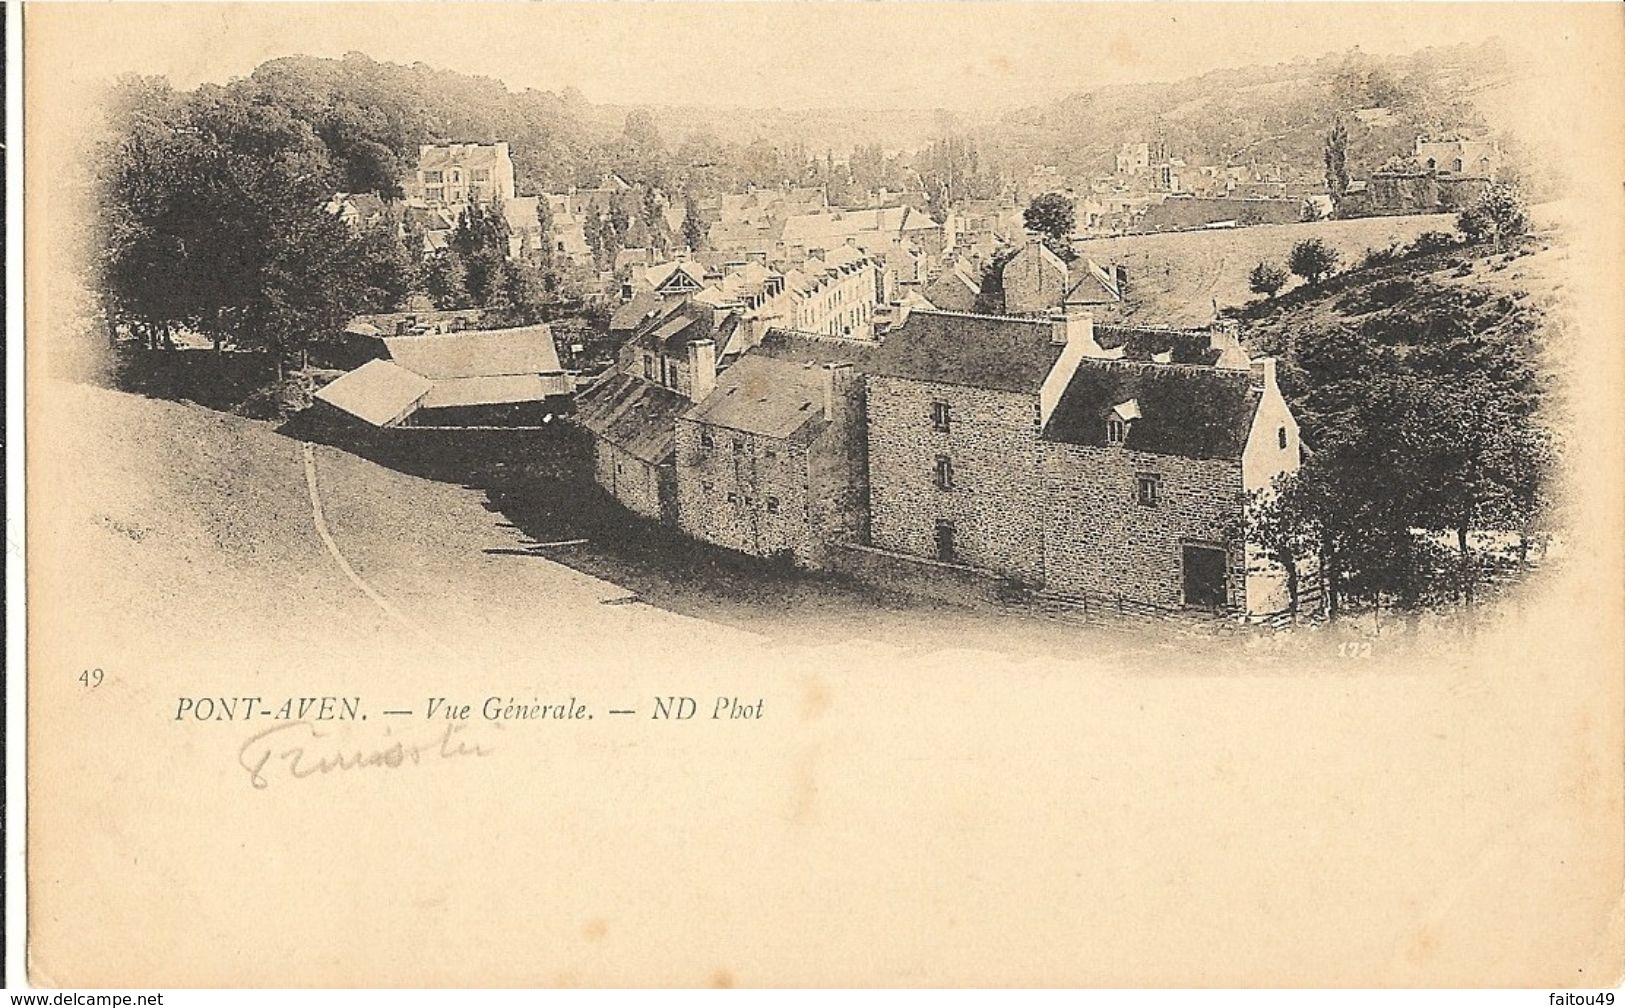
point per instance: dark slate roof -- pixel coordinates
(628, 316)
(983, 351)
(673, 331)
(1141, 343)
(1196, 412)
(1088, 283)
(813, 348)
(764, 395)
(636, 416)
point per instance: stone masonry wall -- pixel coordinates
(1101, 541)
(745, 492)
(629, 480)
(995, 503)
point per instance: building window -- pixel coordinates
(1150, 489)
(706, 440)
(945, 473)
(945, 541)
(739, 446)
(1280, 436)
(435, 193)
(649, 368)
(433, 178)
(939, 416)
(1116, 431)
(772, 505)
(480, 175)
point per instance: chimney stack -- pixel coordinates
(1263, 374)
(702, 369)
(837, 379)
(1070, 327)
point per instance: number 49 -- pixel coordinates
(90, 678)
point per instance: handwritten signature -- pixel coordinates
(302, 750)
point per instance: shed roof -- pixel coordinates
(487, 390)
(378, 392)
(477, 353)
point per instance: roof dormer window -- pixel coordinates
(1117, 422)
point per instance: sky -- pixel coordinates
(968, 56)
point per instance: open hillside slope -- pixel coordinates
(1185, 278)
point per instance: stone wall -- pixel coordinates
(772, 495)
(746, 492)
(994, 504)
(1100, 541)
(641, 488)
(1180, 212)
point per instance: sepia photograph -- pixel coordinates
(824, 494)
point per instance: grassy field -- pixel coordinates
(1184, 277)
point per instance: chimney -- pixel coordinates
(1225, 337)
(1263, 370)
(837, 379)
(702, 369)
(1075, 327)
(502, 148)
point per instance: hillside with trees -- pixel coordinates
(1423, 379)
(1280, 114)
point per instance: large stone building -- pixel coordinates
(771, 462)
(632, 423)
(835, 293)
(1146, 470)
(454, 174)
(956, 404)
(1026, 449)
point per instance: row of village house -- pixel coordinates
(810, 409)
(1095, 463)
(1091, 462)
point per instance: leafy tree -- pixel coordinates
(445, 280)
(1423, 416)
(1051, 215)
(386, 271)
(544, 229)
(1283, 521)
(519, 296)
(1312, 259)
(213, 220)
(693, 227)
(1336, 154)
(1266, 278)
(1497, 214)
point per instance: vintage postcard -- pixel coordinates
(825, 494)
